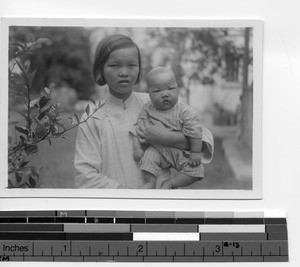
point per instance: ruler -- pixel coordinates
(143, 236)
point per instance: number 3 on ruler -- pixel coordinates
(217, 248)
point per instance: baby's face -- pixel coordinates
(163, 90)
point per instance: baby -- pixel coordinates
(165, 109)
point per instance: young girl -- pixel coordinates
(103, 155)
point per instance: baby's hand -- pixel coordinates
(195, 159)
(166, 184)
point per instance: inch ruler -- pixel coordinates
(143, 236)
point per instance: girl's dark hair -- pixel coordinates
(105, 47)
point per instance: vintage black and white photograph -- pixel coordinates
(163, 109)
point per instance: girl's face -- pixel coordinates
(121, 71)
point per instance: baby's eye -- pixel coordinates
(113, 65)
(133, 65)
(172, 88)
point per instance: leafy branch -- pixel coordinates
(42, 116)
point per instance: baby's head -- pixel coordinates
(162, 88)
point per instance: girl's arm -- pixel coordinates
(88, 161)
(138, 151)
(156, 134)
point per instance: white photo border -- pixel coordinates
(255, 193)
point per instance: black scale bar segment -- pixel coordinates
(65, 236)
(99, 236)
(275, 220)
(189, 221)
(32, 236)
(99, 220)
(70, 219)
(41, 219)
(276, 228)
(248, 221)
(31, 227)
(160, 220)
(28, 213)
(218, 220)
(13, 220)
(131, 220)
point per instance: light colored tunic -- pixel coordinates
(104, 150)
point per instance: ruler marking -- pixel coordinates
(108, 249)
(165, 251)
(89, 251)
(184, 249)
(127, 251)
(223, 249)
(52, 251)
(279, 249)
(261, 249)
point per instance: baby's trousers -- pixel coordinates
(159, 157)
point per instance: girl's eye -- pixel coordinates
(171, 88)
(133, 65)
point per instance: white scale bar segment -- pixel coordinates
(232, 228)
(275, 214)
(166, 236)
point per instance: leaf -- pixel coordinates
(31, 76)
(18, 177)
(42, 41)
(87, 109)
(78, 121)
(47, 90)
(52, 86)
(28, 185)
(12, 122)
(93, 101)
(74, 119)
(60, 124)
(21, 66)
(22, 130)
(24, 163)
(65, 137)
(101, 103)
(43, 101)
(22, 139)
(34, 102)
(27, 65)
(31, 149)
